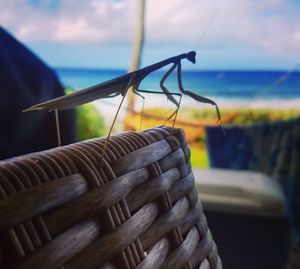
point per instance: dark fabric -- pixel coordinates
(250, 242)
(24, 81)
(233, 150)
(272, 148)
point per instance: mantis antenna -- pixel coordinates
(209, 24)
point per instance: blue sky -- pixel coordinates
(245, 34)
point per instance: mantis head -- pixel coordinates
(191, 56)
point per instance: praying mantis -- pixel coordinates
(121, 84)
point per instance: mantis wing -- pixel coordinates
(106, 89)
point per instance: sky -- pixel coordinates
(226, 34)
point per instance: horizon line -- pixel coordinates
(186, 70)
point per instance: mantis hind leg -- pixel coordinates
(176, 112)
(116, 115)
(136, 91)
(165, 92)
(170, 94)
(57, 128)
(163, 87)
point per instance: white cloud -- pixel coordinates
(269, 25)
(79, 29)
(73, 22)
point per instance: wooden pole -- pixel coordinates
(137, 51)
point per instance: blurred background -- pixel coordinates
(247, 61)
(247, 54)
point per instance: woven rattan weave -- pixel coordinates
(135, 208)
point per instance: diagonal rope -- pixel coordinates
(282, 78)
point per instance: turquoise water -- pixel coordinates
(229, 85)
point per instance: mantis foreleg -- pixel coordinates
(164, 89)
(199, 98)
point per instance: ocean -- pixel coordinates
(277, 89)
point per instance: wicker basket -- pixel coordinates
(135, 208)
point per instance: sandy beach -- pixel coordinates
(108, 107)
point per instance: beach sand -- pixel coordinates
(108, 107)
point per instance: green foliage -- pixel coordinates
(246, 116)
(89, 122)
(199, 156)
